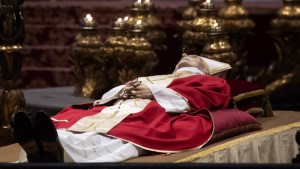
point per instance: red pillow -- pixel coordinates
(232, 122)
(241, 86)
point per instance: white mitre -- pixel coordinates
(210, 67)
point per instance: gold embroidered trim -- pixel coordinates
(147, 78)
(255, 110)
(233, 131)
(237, 141)
(239, 97)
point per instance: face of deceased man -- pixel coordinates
(190, 61)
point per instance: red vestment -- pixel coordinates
(155, 129)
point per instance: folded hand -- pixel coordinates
(134, 89)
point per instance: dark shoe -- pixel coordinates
(25, 136)
(47, 135)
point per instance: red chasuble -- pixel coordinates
(157, 130)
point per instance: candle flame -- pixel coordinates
(207, 1)
(119, 20)
(215, 24)
(89, 17)
(126, 18)
(138, 22)
(139, 1)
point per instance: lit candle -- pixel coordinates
(88, 21)
(139, 22)
(89, 17)
(118, 24)
(216, 27)
(208, 5)
(138, 4)
(119, 20)
(138, 25)
(148, 4)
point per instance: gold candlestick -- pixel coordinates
(150, 18)
(139, 58)
(287, 28)
(217, 47)
(195, 37)
(236, 23)
(114, 48)
(189, 14)
(85, 52)
(137, 12)
(285, 69)
(11, 38)
(143, 10)
(155, 34)
(235, 17)
(288, 19)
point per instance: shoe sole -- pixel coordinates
(26, 138)
(46, 133)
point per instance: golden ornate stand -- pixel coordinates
(11, 38)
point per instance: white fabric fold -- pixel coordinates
(280, 147)
(112, 92)
(190, 69)
(170, 100)
(92, 147)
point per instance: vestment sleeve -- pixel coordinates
(108, 96)
(170, 100)
(203, 91)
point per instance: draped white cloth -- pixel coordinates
(276, 145)
(92, 147)
(270, 146)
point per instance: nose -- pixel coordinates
(184, 55)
